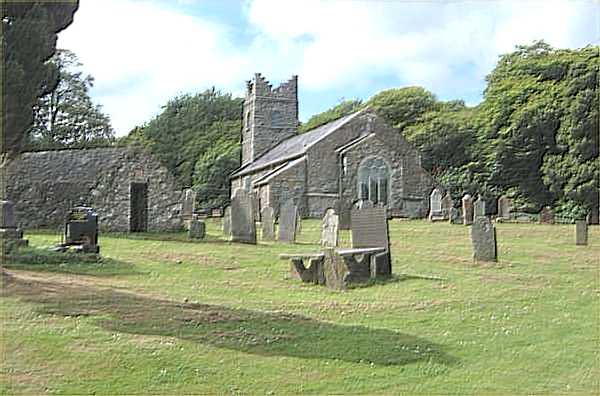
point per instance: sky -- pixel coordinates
(144, 52)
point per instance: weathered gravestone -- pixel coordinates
(227, 221)
(504, 204)
(267, 222)
(581, 232)
(343, 209)
(370, 230)
(455, 216)
(243, 226)
(288, 216)
(330, 229)
(435, 205)
(483, 236)
(10, 235)
(447, 206)
(189, 201)
(467, 209)
(546, 215)
(479, 208)
(298, 224)
(197, 229)
(81, 231)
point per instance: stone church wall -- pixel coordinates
(44, 185)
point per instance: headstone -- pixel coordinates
(504, 204)
(467, 209)
(189, 201)
(330, 229)
(483, 236)
(197, 229)
(298, 224)
(343, 209)
(581, 232)
(243, 226)
(288, 216)
(227, 221)
(479, 207)
(81, 229)
(435, 205)
(447, 206)
(10, 235)
(455, 216)
(267, 216)
(546, 215)
(370, 230)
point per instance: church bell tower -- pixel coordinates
(270, 116)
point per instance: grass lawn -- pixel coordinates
(163, 315)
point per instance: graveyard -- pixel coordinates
(180, 315)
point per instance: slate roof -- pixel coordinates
(294, 147)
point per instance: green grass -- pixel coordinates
(158, 314)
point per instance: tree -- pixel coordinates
(29, 33)
(66, 116)
(344, 108)
(402, 107)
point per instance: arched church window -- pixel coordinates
(373, 181)
(277, 120)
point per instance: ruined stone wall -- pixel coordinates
(45, 185)
(270, 116)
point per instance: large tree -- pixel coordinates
(29, 34)
(66, 116)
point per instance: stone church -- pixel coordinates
(356, 157)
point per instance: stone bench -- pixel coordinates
(312, 273)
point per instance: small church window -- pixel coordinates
(373, 181)
(345, 165)
(277, 119)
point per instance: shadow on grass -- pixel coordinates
(261, 333)
(165, 237)
(43, 260)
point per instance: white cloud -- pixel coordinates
(143, 53)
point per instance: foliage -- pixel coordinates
(188, 127)
(66, 116)
(402, 107)
(344, 108)
(29, 33)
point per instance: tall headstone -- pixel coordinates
(343, 209)
(504, 204)
(479, 207)
(298, 224)
(243, 226)
(288, 216)
(227, 221)
(467, 209)
(447, 206)
(267, 222)
(330, 229)
(435, 205)
(189, 201)
(546, 215)
(483, 236)
(581, 232)
(10, 235)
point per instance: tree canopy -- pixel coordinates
(66, 117)
(29, 33)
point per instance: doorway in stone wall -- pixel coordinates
(138, 207)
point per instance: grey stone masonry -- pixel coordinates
(288, 216)
(581, 232)
(483, 236)
(243, 227)
(270, 116)
(267, 221)
(467, 209)
(45, 185)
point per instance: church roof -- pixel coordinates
(295, 146)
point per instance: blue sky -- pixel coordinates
(144, 52)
